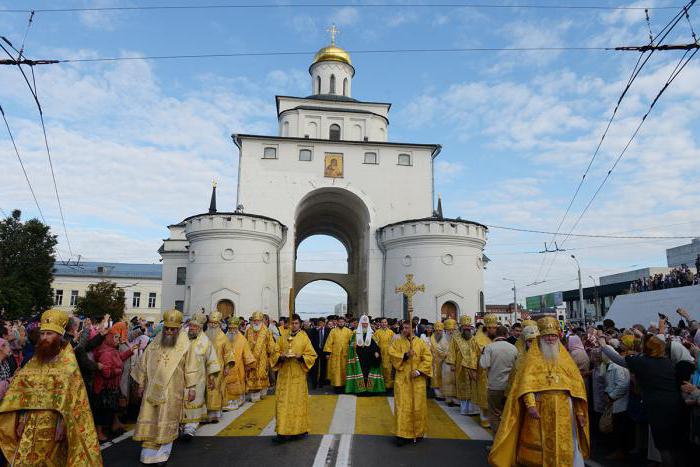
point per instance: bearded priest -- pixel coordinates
(201, 370)
(292, 359)
(549, 389)
(241, 357)
(45, 418)
(262, 344)
(215, 396)
(160, 376)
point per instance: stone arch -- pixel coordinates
(449, 310)
(226, 307)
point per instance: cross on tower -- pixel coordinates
(333, 30)
(409, 289)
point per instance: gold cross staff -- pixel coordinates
(333, 30)
(409, 289)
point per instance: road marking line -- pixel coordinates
(343, 459)
(467, 424)
(321, 458)
(269, 430)
(116, 440)
(213, 429)
(391, 404)
(344, 415)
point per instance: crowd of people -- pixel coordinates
(80, 380)
(681, 276)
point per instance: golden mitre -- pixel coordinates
(450, 324)
(234, 321)
(257, 315)
(530, 332)
(199, 318)
(54, 320)
(172, 318)
(490, 320)
(528, 322)
(548, 326)
(465, 320)
(215, 317)
(438, 326)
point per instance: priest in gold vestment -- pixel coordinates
(45, 418)
(336, 350)
(413, 363)
(448, 388)
(241, 357)
(201, 369)
(262, 344)
(545, 420)
(216, 396)
(292, 359)
(478, 375)
(160, 375)
(459, 356)
(383, 336)
(436, 379)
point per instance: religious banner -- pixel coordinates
(333, 165)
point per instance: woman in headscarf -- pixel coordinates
(579, 355)
(364, 373)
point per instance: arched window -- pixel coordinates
(285, 129)
(404, 159)
(318, 85)
(334, 132)
(305, 154)
(332, 88)
(482, 306)
(345, 87)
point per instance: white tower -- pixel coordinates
(332, 71)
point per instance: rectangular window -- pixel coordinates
(152, 300)
(270, 153)
(180, 305)
(370, 158)
(181, 276)
(305, 154)
(404, 159)
(73, 297)
(58, 297)
(136, 300)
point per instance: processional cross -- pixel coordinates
(409, 289)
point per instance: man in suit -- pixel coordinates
(318, 335)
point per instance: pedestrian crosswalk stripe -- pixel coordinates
(253, 421)
(469, 425)
(321, 410)
(373, 417)
(440, 425)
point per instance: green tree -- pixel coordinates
(26, 265)
(100, 299)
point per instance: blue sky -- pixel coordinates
(136, 143)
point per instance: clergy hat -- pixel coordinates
(199, 318)
(548, 326)
(215, 317)
(450, 324)
(172, 319)
(465, 320)
(54, 320)
(439, 326)
(490, 320)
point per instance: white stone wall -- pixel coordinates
(444, 256)
(322, 71)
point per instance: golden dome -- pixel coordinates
(332, 53)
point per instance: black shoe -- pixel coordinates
(186, 437)
(401, 441)
(279, 439)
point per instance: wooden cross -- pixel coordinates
(333, 30)
(409, 289)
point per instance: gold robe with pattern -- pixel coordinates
(337, 344)
(438, 358)
(215, 397)
(447, 379)
(239, 353)
(161, 372)
(292, 391)
(479, 388)
(410, 401)
(383, 338)
(262, 344)
(201, 362)
(558, 392)
(458, 354)
(47, 391)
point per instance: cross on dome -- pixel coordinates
(333, 30)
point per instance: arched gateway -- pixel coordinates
(330, 170)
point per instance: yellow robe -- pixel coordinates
(262, 344)
(292, 392)
(410, 401)
(337, 345)
(558, 392)
(161, 372)
(438, 358)
(383, 337)
(201, 362)
(479, 388)
(447, 379)
(239, 353)
(47, 391)
(215, 397)
(458, 354)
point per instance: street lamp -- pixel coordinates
(580, 291)
(595, 288)
(515, 299)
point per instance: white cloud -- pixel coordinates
(346, 16)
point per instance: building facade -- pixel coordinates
(330, 170)
(141, 284)
(685, 254)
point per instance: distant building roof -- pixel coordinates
(109, 270)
